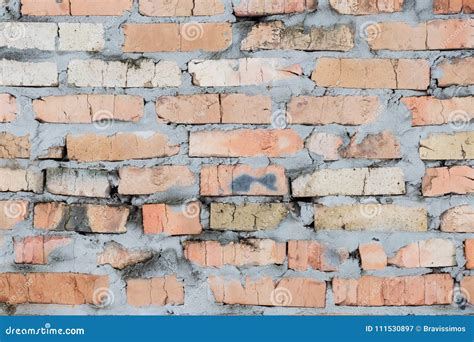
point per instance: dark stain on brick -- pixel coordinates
(78, 220)
(244, 182)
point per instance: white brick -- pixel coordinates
(239, 72)
(351, 182)
(41, 36)
(81, 37)
(142, 73)
(14, 73)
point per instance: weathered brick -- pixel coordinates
(172, 220)
(442, 146)
(458, 220)
(430, 289)
(372, 73)
(247, 216)
(88, 108)
(143, 181)
(84, 218)
(287, 292)
(383, 145)
(432, 35)
(36, 249)
(426, 253)
(351, 182)
(469, 253)
(324, 110)
(372, 256)
(427, 110)
(141, 73)
(12, 213)
(251, 252)
(227, 180)
(20, 180)
(467, 288)
(241, 72)
(119, 257)
(51, 288)
(325, 144)
(245, 143)
(12, 146)
(275, 36)
(120, 146)
(255, 8)
(376, 217)
(456, 71)
(362, 7)
(447, 6)
(157, 291)
(100, 7)
(312, 254)
(28, 74)
(215, 108)
(180, 8)
(443, 180)
(40, 36)
(78, 182)
(8, 108)
(171, 37)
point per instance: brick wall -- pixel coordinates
(246, 157)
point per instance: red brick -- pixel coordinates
(12, 213)
(88, 108)
(100, 7)
(178, 8)
(373, 146)
(363, 7)
(426, 253)
(51, 288)
(227, 180)
(447, 6)
(288, 292)
(467, 288)
(155, 291)
(372, 73)
(142, 181)
(45, 7)
(172, 220)
(373, 256)
(443, 180)
(244, 143)
(469, 253)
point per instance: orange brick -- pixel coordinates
(287, 292)
(172, 220)
(252, 252)
(458, 219)
(457, 71)
(180, 8)
(100, 7)
(88, 108)
(427, 110)
(467, 288)
(244, 143)
(227, 180)
(142, 181)
(447, 6)
(373, 256)
(374, 146)
(155, 291)
(430, 289)
(443, 180)
(312, 254)
(12, 213)
(8, 108)
(45, 7)
(469, 253)
(86, 218)
(363, 7)
(324, 110)
(254, 8)
(51, 288)
(36, 249)
(120, 146)
(426, 253)
(372, 73)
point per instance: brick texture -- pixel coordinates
(236, 157)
